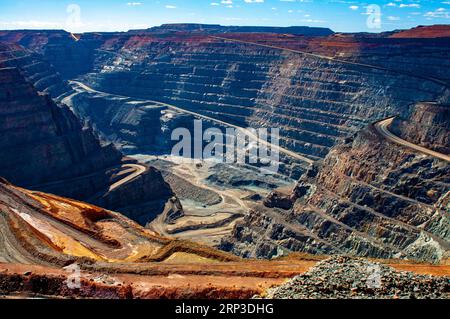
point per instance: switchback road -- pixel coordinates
(382, 128)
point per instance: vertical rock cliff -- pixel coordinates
(364, 196)
(428, 125)
(368, 197)
(44, 146)
(316, 86)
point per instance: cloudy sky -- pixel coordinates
(120, 15)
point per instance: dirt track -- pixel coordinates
(383, 128)
(245, 131)
(216, 220)
(242, 280)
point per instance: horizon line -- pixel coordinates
(225, 26)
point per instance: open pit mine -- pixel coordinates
(94, 204)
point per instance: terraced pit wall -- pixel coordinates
(44, 145)
(316, 102)
(368, 197)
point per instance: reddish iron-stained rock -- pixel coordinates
(434, 31)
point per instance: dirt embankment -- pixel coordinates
(117, 258)
(221, 280)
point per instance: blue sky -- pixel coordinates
(122, 15)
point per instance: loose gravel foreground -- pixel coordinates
(345, 277)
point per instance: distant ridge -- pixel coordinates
(433, 31)
(216, 28)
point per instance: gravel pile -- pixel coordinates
(345, 277)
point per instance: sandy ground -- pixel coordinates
(187, 280)
(202, 223)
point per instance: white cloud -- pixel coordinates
(411, 5)
(169, 6)
(354, 7)
(30, 24)
(312, 21)
(134, 4)
(440, 13)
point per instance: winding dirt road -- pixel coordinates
(139, 170)
(73, 36)
(382, 128)
(245, 131)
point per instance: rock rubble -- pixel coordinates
(344, 277)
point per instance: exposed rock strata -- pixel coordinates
(45, 147)
(43, 237)
(319, 91)
(315, 101)
(428, 125)
(35, 68)
(367, 198)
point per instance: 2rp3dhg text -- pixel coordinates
(226, 309)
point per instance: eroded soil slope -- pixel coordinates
(41, 233)
(44, 146)
(369, 197)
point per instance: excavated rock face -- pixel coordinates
(428, 126)
(42, 142)
(133, 127)
(367, 198)
(57, 47)
(45, 238)
(44, 147)
(34, 68)
(313, 100)
(143, 199)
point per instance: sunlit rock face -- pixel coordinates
(44, 146)
(428, 125)
(368, 197)
(364, 196)
(313, 100)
